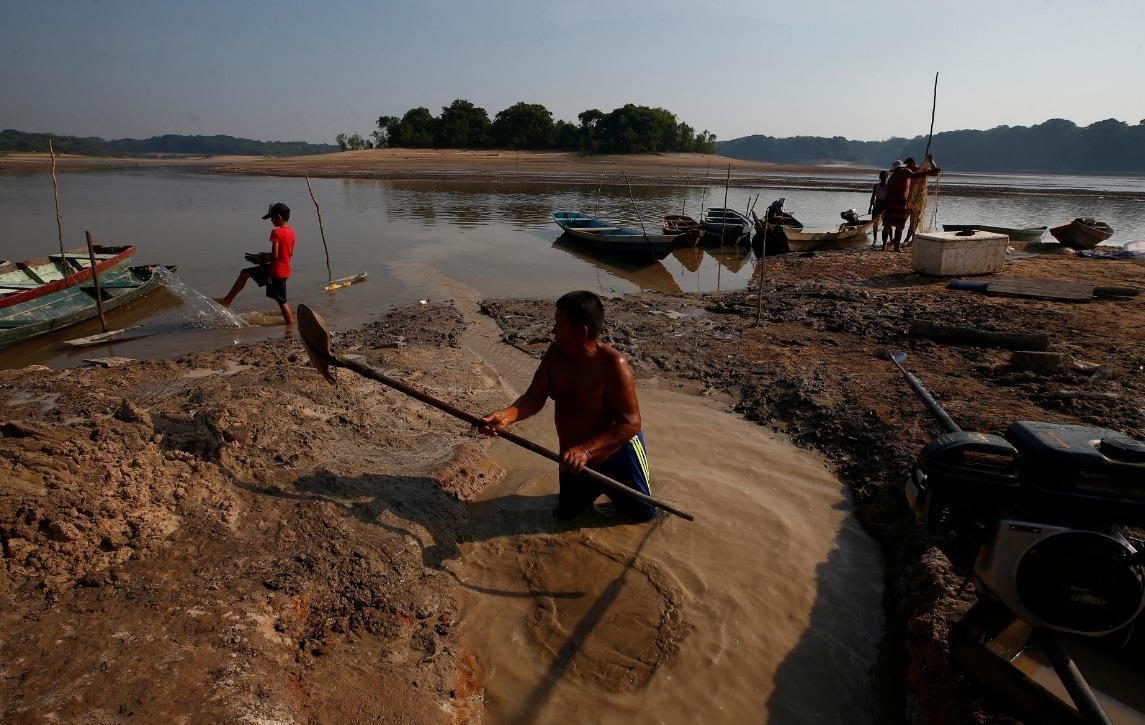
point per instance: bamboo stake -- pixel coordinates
(59, 224)
(724, 216)
(638, 217)
(704, 196)
(759, 270)
(685, 204)
(596, 213)
(321, 230)
(94, 279)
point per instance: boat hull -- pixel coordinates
(75, 304)
(1081, 236)
(621, 241)
(22, 282)
(783, 239)
(1023, 234)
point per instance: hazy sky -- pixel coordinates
(292, 70)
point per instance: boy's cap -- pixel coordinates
(279, 209)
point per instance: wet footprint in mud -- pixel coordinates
(627, 624)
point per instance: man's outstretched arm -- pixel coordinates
(529, 404)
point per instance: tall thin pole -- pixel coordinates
(637, 212)
(94, 280)
(704, 196)
(321, 229)
(596, 214)
(59, 224)
(933, 107)
(724, 216)
(759, 270)
(685, 204)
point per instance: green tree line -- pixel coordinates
(1055, 146)
(17, 141)
(463, 125)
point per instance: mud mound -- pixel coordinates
(627, 625)
(229, 538)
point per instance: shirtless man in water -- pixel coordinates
(597, 414)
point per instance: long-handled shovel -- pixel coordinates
(316, 338)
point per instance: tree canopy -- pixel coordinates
(629, 129)
(1055, 146)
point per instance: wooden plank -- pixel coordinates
(1050, 289)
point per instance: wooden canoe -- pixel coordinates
(23, 282)
(678, 223)
(724, 227)
(618, 240)
(70, 305)
(1082, 233)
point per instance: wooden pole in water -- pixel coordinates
(759, 271)
(596, 213)
(321, 229)
(638, 217)
(685, 204)
(704, 196)
(94, 280)
(59, 224)
(724, 216)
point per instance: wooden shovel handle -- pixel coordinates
(368, 372)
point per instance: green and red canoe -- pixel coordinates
(45, 294)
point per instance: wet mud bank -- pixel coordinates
(815, 369)
(226, 537)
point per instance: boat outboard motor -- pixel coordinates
(1039, 516)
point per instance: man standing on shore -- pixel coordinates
(597, 414)
(876, 206)
(272, 269)
(916, 197)
(898, 187)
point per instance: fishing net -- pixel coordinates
(918, 199)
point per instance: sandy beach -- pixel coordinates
(230, 513)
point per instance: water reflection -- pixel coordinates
(645, 275)
(495, 237)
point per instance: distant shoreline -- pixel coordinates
(669, 169)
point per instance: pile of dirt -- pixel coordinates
(237, 539)
(816, 368)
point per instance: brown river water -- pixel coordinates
(495, 236)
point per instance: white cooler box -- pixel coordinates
(945, 254)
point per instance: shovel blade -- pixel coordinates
(316, 339)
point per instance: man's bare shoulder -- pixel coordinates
(615, 359)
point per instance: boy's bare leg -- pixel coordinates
(287, 314)
(235, 289)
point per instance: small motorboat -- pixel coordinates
(614, 239)
(724, 227)
(1016, 234)
(678, 223)
(1082, 233)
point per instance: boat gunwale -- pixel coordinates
(76, 278)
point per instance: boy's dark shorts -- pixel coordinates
(275, 288)
(629, 466)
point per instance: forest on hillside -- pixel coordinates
(170, 144)
(1056, 146)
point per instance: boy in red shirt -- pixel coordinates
(275, 267)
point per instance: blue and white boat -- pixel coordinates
(612, 239)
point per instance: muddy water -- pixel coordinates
(766, 607)
(496, 236)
